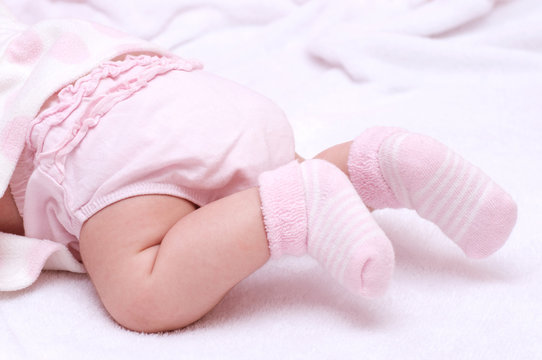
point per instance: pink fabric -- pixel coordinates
(26, 48)
(343, 236)
(491, 224)
(39, 60)
(9, 135)
(143, 126)
(446, 189)
(36, 62)
(364, 169)
(284, 211)
(371, 274)
(395, 168)
(70, 48)
(312, 207)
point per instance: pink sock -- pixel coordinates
(312, 207)
(393, 168)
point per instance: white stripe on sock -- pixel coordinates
(329, 257)
(458, 179)
(327, 221)
(388, 158)
(311, 182)
(458, 202)
(344, 249)
(443, 184)
(458, 228)
(355, 231)
(442, 170)
(323, 214)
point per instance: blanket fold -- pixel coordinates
(22, 260)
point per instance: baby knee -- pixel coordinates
(143, 311)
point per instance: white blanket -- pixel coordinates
(468, 72)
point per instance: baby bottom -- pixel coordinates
(187, 134)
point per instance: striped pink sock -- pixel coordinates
(312, 207)
(391, 167)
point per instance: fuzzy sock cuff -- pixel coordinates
(364, 168)
(284, 210)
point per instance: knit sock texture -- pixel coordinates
(391, 167)
(284, 211)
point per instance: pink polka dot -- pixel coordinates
(114, 33)
(12, 137)
(25, 48)
(70, 49)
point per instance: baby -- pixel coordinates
(173, 185)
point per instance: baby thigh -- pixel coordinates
(159, 264)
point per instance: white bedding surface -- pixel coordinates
(468, 72)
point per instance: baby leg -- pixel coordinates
(160, 264)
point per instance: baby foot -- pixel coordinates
(393, 168)
(339, 231)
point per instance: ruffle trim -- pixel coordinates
(72, 96)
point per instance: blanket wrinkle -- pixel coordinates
(404, 59)
(429, 18)
(402, 54)
(15, 348)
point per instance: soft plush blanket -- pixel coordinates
(468, 72)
